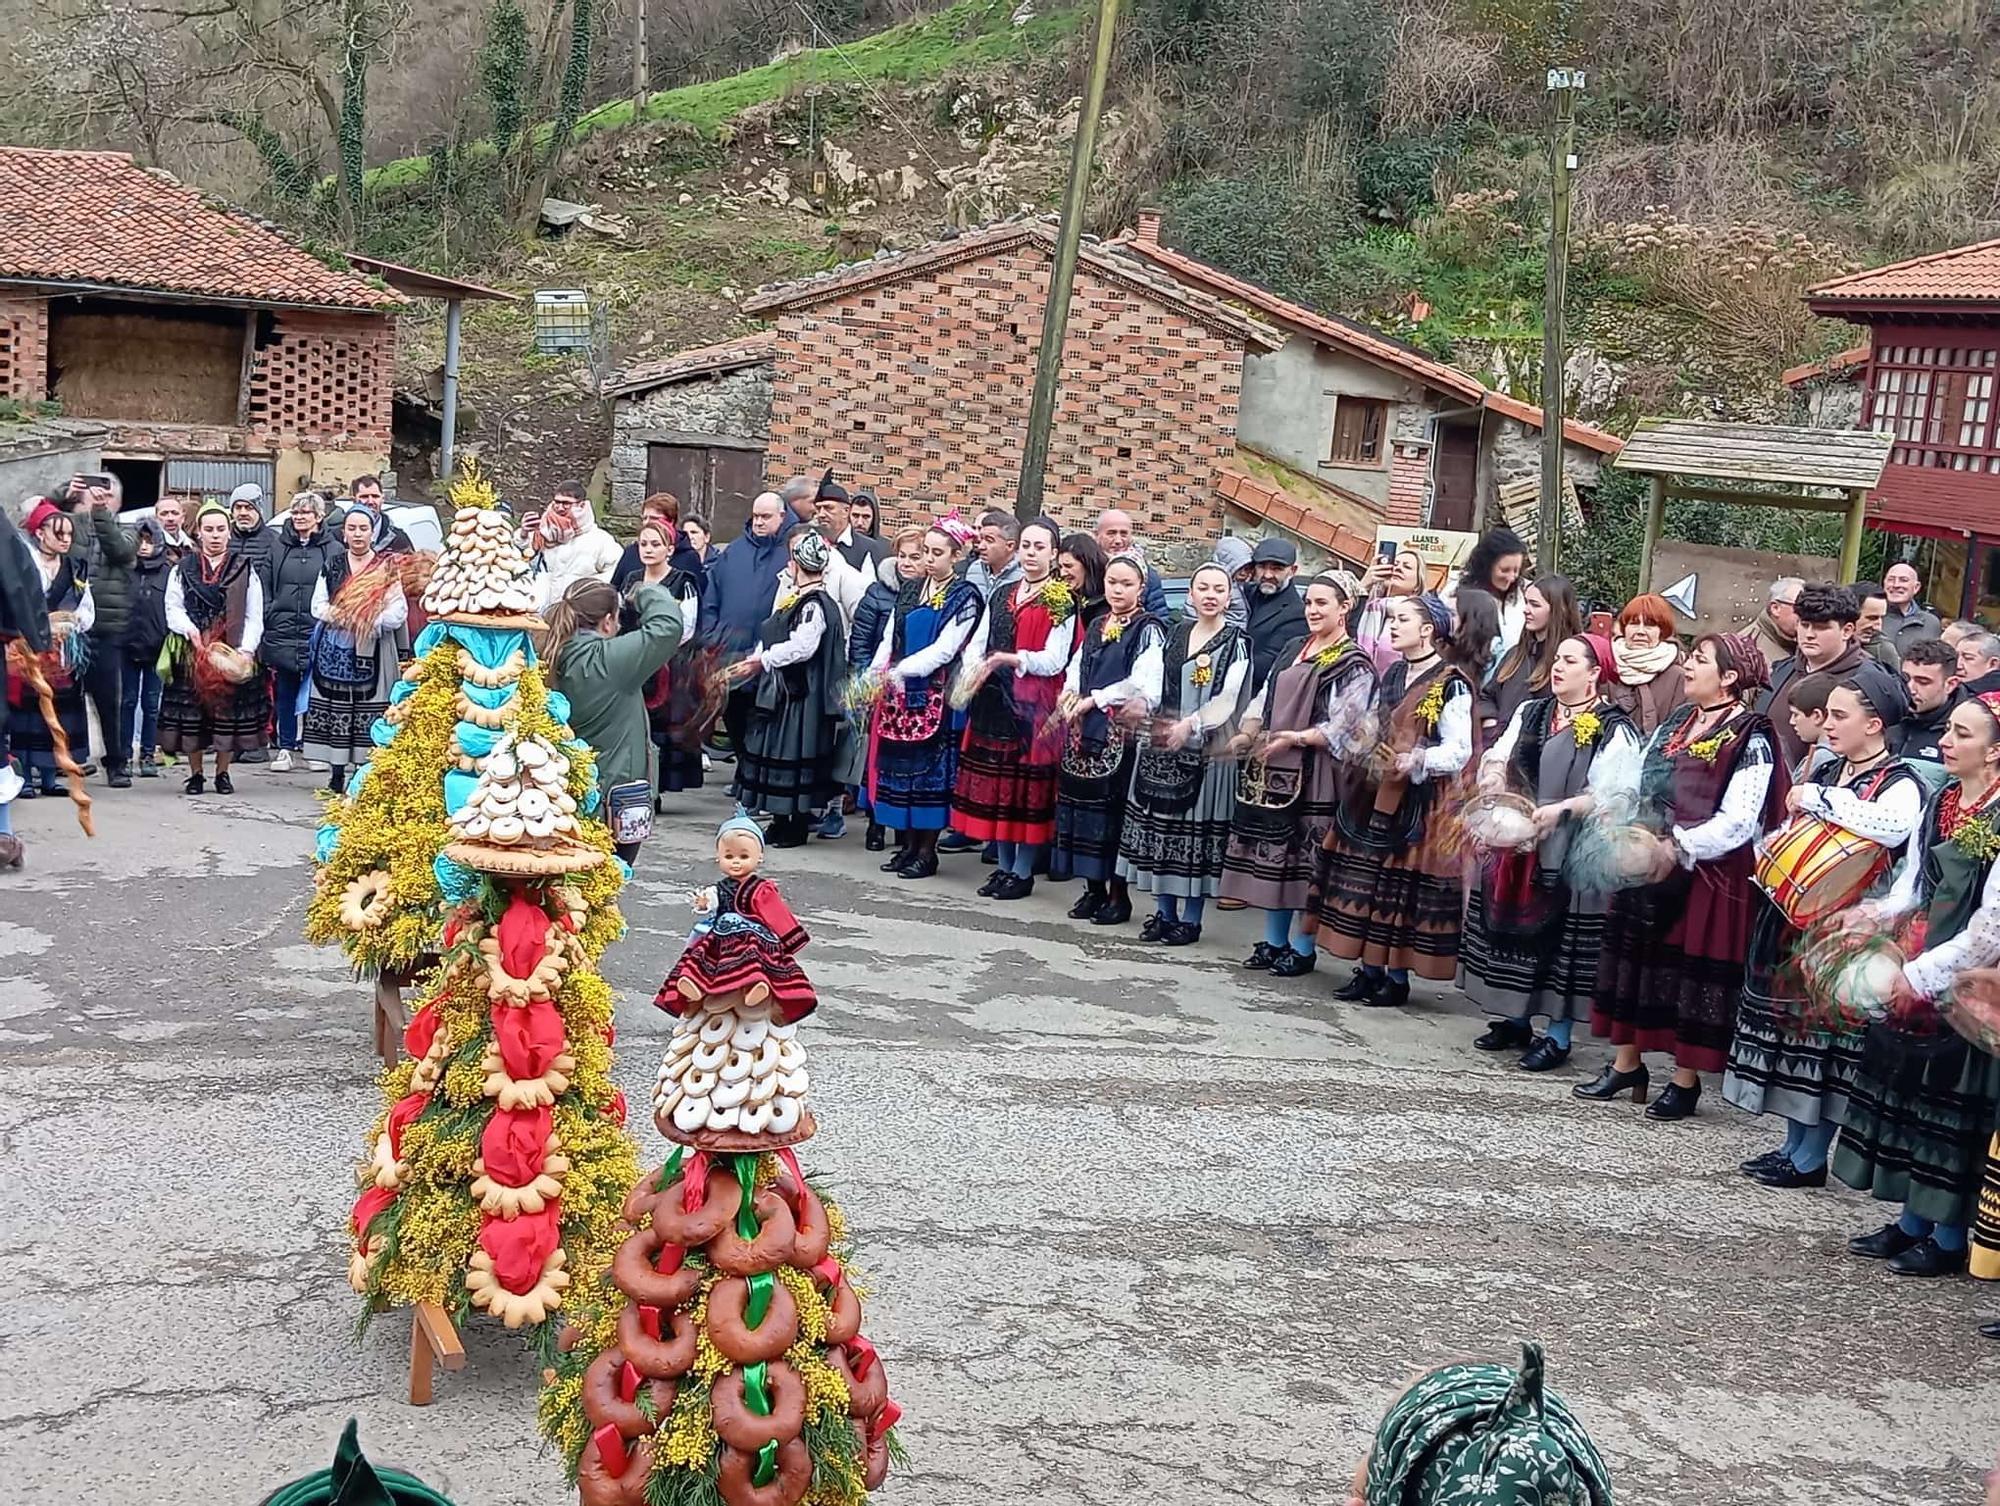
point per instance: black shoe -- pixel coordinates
(1155, 927)
(1013, 886)
(901, 857)
(1506, 1035)
(224, 785)
(1180, 933)
(196, 785)
(1113, 912)
(1088, 904)
(1886, 1243)
(1990, 1330)
(992, 885)
(29, 792)
(1925, 1258)
(787, 831)
(1544, 1056)
(1359, 988)
(922, 865)
(1609, 1083)
(1771, 1160)
(1294, 964)
(1785, 1174)
(876, 839)
(953, 841)
(1389, 994)
(1675, 1102)
(119, 778)
(1262, 955)
(990, 853)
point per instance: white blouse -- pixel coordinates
(1142, 684)
(1890, 818)
(395, 611)
(1454, 745)
(1617, 749)
(178, 620)
(934, 655)
(85, 616)
(1045, 662)
(1739, 815)
(802, 642)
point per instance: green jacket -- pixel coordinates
(111, 552)
(605, 680)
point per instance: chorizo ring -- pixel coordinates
(874, 1457)
(788, 1486)
(604, 1406)
(658, 1359)
(813, 1233)
(634, 1274)
(692, 1230)
(741, 1428)
(864, 1397)
(776, 1236)
(730, 1332)
(599, 1487)
(844, 1313)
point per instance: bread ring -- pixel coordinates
(812, 1231)
(754, 1118)
(477, 825)
(750, 1034)
(763, 1090)
(766, 1064)
(604, 1406)
(679, 1227)
(597, 1486)
(719, 1118)
(712, 1058)
(785, 1115)
(794, 1084)
(534, 805)
(783, 1031)
(682, 1044)
(731, 1095)
(741, 1344)
(717, 1028)
(699, 1082)
(865, 1396)
(843, 1321)
(641, 1201)
(541, 828)
(690, 1114)
(791, 1055)
(634, 1272)
(878, 1465)
(787, 1488)
(508, 829)
(660, 1359)
(739, 1427)
(737, 1067)
(776, 1236)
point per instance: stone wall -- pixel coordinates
(733, 407)
(1514, 452)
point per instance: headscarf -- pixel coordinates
(40, 513)
(1752, 669)
(1601, 650)
(1485, 1435)
(1438, 612)
(742, 824)
(1346, 582)
(955, 528)
(1883, 696)
(812, 552)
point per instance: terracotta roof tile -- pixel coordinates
(1306, 510)
(1843, 363)
(1574, 430)
(98, 218)
(1969, 274)
(706, 360)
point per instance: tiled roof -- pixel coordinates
(99, 219)
(1970, 274)
(1574, 430)
(1843, 363)
(706, 360)
(990, 240)
(1240, 487)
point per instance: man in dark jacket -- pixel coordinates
(1277, 616)
(139, 652)
(737, 597)
(248, 535)
(1929, 675)
(300, 550)
(367, 490)
(108, 552)
(1827, 615)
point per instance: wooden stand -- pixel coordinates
(391, 1015)
(433, 1342)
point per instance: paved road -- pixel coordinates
(1140, 1227)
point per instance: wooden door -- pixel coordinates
(1454, 502)
(735, 478)
(712, 481)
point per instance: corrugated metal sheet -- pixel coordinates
(222, 476)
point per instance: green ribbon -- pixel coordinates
(759, 1302)
(767, 1464)
(757, 1389)
(671, 1170)
(746, 1214)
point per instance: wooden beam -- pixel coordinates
(243, 376)
(433, 1342)
(1850, 540)
(1656, 517)
(1791, 501)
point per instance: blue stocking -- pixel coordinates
(1025, 853)
(1559, 1032)
(1278, 929)
(1809, 1154)
(1191, 911)
(1006, 854)
(1950, 1237)
(1913, 1226)
(1170, 908)
(1795, 1133)
(7, 819)
(1400, 976)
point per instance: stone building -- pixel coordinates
(210, 348)
(696, 425)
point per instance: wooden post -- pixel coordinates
(1055, 312)
(1564, 84)
(1656, 518)
(1850, 540)
(433, 1342)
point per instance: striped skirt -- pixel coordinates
(1181, 854)
(1777, 1064)
(1986, 1219)
(1392, 905)
(234, 723)
(1090, 820)
(1919, 1120)
(1001, 793)
(1550, 975)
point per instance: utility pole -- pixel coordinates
(1565, 84)
(640, 71)
(1055, 314)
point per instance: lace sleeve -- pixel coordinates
(1889, 818)
(1978, 945)
(1454, 745)
(1737, 818)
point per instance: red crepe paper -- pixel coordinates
(421, 1033)
(670, 1259)
(649, 1321)
(521, 1247)
(514, 1145)
(611, 1449)
(887, 1418)
(618, 1109)
(523, 936)
(529, 1038)
(789, 1158)
(628, 1381)
(610, 1034)
(861, 1356)
(370, 1203)
(402, 1116)
(828, 1272)
(694, 1182)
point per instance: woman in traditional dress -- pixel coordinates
(72, 613)
(1015, 661)
(913, 736)
(1923, 1104)
(676, 693)
(213, 597)
(1532, 936)
(1780, 1063)
(1391, 898)
(1650, 663)
(360, 607)
(786, 767)
(1549, 617)
(1671, 974)
(1177, 820)
(1290, 749)
(866, 631)
(1113, 684)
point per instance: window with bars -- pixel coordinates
(1937, 402)
(1358, 426)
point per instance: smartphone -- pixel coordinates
(103, 482)
(1600, 622)
(1385, 552)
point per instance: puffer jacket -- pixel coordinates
(108, 553)
(296, 565)
(871, 616)
(146, 627)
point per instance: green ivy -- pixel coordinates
(503, 68)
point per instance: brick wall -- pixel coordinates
(326, 381)
(921, 389)
(24, 348)
(1409, 483)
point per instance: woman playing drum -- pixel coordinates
(1849, 822)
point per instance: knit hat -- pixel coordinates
(249, 492)
(742, 824)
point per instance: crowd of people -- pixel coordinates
(1579, 819)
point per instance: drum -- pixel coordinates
(1812, 868)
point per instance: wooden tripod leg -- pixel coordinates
(433, 1341)
(389, 1019)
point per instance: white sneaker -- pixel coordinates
(314, 766)
(707, 767)
(281, 761)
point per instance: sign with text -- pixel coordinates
(1444, 550)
